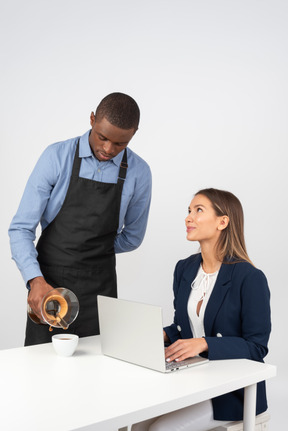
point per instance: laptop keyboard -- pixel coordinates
(174, 364)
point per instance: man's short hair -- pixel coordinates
(120, 110)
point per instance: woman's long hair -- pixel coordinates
(231, 243)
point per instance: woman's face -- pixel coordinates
(202, 223)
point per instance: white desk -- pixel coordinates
(41, 391)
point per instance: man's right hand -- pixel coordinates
(39, 287)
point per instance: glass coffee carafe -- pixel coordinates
(59, 308)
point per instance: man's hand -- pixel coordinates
(187, 348)
(39, 288)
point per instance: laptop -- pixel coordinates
(133, 332)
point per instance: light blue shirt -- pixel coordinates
(47, 187)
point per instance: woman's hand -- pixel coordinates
(183, 349)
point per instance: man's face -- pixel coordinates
(106, 140)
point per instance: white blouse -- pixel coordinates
(201, 289)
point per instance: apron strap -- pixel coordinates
(76, 162)
(123, 168)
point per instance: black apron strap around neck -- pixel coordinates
(123, 168)
(76, 162)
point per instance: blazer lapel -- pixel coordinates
(188, 276)
(218, 294)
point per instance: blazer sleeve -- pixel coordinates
(246, 334)
(172, 331)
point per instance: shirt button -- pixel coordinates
(99, 170)
(179, 328)
(218, 334)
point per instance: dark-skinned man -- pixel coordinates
(91, 195)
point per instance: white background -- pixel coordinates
(210, 77)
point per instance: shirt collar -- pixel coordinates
(85, 150)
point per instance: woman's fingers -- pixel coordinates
(183, 349)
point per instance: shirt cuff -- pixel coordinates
(30, 272)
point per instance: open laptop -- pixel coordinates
(133, 332)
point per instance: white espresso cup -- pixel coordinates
(65, 344)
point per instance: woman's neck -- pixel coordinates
(211, 267)
(210, 263)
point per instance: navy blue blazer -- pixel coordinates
(237, 322)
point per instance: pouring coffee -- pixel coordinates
(59, 308)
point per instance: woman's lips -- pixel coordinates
(190, 229)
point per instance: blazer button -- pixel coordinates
(179, 328)
(218, 334)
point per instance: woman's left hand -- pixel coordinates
(183, 349)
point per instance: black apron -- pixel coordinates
(76, 250)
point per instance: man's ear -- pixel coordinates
(92, 119)
(224, 221)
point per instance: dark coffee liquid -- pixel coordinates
(35, 318)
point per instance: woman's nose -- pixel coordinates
(190, 216)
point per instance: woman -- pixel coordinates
(221, 306)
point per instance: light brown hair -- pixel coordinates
(231, 243)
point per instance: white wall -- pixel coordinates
(210, 77)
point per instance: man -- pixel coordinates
(91, 195)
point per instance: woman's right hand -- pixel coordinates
(38, 289)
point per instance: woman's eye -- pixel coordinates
(199, 210)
